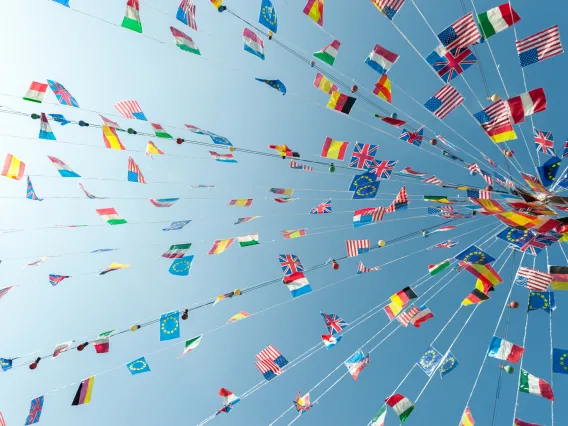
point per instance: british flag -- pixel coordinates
(334, 323)
(544, 142)
(384, 169)
(363, 156)
(36, 407)
(357, 247)
(401, 198)
(415, 138)
(451, 63)
(446, 244)
(62, 95)
(290, 264)
(535, 245)
(322, 208)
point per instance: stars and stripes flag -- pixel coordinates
(479, 194)
(474, 167)
(334, 323)
(444, 101)
(384, 169)
(186, 14)
(405, 317)
(487, 177)
(130, 109)
(462, 33)
(496, 122)
(532, 279)
(402, 197)
(565, 152)
(290, 264)
(357, 247)
(433, 180)
(270, 362)
(322, 208)
(363, 156)
(415, 138)
(389, 8)
(362, 269)
(299, 166)
(134, 173)
(544, 142)
(540, 46)
(36, 407)
(450, 64)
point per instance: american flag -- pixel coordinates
(322, 208)
(452, 63)
(479, 193)
(334, 323)
(446, 244)
(62, 95)
(362, 269)
(402, 197)
(405, 317)
(433, 180)
(130, 109)
(540, 46)
(384, 168)
(474, 167)
(544, 142)
(36, 407)
(415, 138)
(186, 14)
(444, 101)
(357, 247)
(290, 264)
(299, 166)
(270, 362)
(503, 181)
(378, 214)
(2, 422)
(495, 118)
(462, 33)
(389, 8)
(134, 173)
(487, 177)
(434, 210)
(409, 171)
(268, 369)
(363, 156)
(532, 279)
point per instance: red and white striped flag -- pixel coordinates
(402, 197)
(186, 14)
(540, 46)
(444, 101)
(474, 167)
(533, 279)
(433, 180)
(362, 269)
(462, 33)
(130, 109)
(405, 317)
(357, 247)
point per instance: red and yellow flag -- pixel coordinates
(13, 168)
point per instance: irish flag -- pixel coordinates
(401, 406)
(111, 216)
(190, 345)
(132, 16)
(184, 42)
(248, 240)
(497, 19)
(532, 384)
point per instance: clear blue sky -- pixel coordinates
(101, 64)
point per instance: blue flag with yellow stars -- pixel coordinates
(560, 361)
(475, 255)
(364, 179)
(6, 364)
(268, 16)
(368, 190)
(448, 365)
(138, 366)
(541, 300)
(515, 237)
(430, 361)
(549, 170)
(169, 326)
(275, 84)
(181, 266)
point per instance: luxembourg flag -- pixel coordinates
(330, 341)
(297, 283)
(223, 158)
(45, 129)
(253, 43)
(504, 350)
(381, 59)
(63, 169)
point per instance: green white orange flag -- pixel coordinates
(190, 345)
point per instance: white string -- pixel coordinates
(551, 347)
(521, 364)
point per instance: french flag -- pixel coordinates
(381, 59)
(504, 350)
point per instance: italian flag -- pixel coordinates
(132, 16)
(532, 384)
(248, 240)
(436, 269)
(184, 42)
(401, 406)
(190, 345)
(497, 19)
(379, 419)
(111, 216)
(160, 132)
(36, 92)
(177, 251)
(329, 53)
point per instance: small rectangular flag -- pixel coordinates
(152, 149)
(190, 345)
(496, 122)
(526, 104)
(45, 131)
(362, 269)
(357, 247)
(297, 283)
(324, 84)
(113, 267)
(340, 102)
(429, 361)
(414, 138)
(219, 246)
(253, 43)
(62, 168)
(241, 220)
(248, 240)
(322, 208)
(138, 366)
(111, 138)
(62, 94)
(519, 422)
(330, 341)
(560, 361)
(444, 101)
(541, 300)
(36, 92)
(282, 191)
(448, 64)
(60, 348)
(176, 225)
(163, 202)
(401, 406)
(110, 216)
(169, 326)
(402, 297)
(293, 233)
(186, 14)
(474, 255)
(275, 84)
(357, 363)
(134, 173)
(298, 166)
(181, 266)
(363, 156)
(177, 251)
(504, 350)
(436, 269)
(132, 16)
(110, 123)
(237, 317)
(160, 132)
(381, 59)
(36, 407)
(392, 310)
(534, 385)
(461, 33)
(383, 89)
(13, 168)
(83, 395)
(130, 109)
(334, 149)
(559, 276)
(389, 120)
(389, 8)
(540, 46)
(241, 202)
(222, 158)
(267, 17)
(449, 364)
(497, 19)
(424, 315)
(329, 53)
(56, 279)
(314, 10)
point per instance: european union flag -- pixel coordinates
(177, 225)
(364, 179)
(169, 326)
(138, 366)
(6, 364)
(475, 255)
(268, 16)
(541, 300)
(549, 170)
(430, 361)
(515, 237)
(448, 365)
(220, 140)
(560, 361)
(368, 190)
(275, 84)
(181, 266)
(59, 118)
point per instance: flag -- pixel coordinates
(241, 220)
(442, 199)
(449, 364)
(330, 341)
(389, 120)
(181, 266)
(357, 363)
(392, 310)
(334, 323)
(389, 8)
(549, 170)
(60, 348)
(190, 345)
(400, 202)
(541, 300)
(475, 297)
(526, 104)
(449, 64)
(333, 149)
(380, 417)
(253, 43)
(383, 88)
(132, 16)
(219, 246)
(362, 269)
(237, 317)
(289, 234)
(518, 220)
(271, 361)
(160, 132)
(295, 165)
(184, 42)
(241, 202)
(322, 208)
(363, 156)
(402, 297)
(496, 122)
(45, 129)
(268, 16)
(406, 316)
(297, 283)
(30, 192)
(176, 225)
(59, 118)
(88, 194)
(519, 422)
(446, 244)
(544, 142)
(504, 350)
(228, 397)
(497, 19)
(461, 33)
(110, 123)
(290, 264)
(474, 255)
(177, 251)
(36, 92)
(329, 53)
(340, 102)
(479, 194)
(534, 183)
(302, 403)
(409, 171)
(138, 366)
(467, 418)
(415, 138)
(436, 269)
(362, 180)
(63, 169)
(113, 267)
(169, 326)
(275, 84)
(102, 343)
(163, 202)
(110, 216)
(13, 168)
(152, 149)
(186, 14)
(223, 158)
(484, 272)
(381, 59)
(37, 262)
(36, 408)
(444, 101)
(111, 138)
(248, 240)
(540, 46)
(134, 173)
(83, 395)
(429, 361)
(130, 109)
(424, 315)
(433, 180)
(383, 168)
(62, 95)
(534, 385)
(357, 247)
(401, 406)
(366, 191)
(559, 276)
(559, 362)
(324, 84)
(367, 216)
(56, 279)
(314, 10)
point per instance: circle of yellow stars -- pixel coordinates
(447, 365)
(269, 15)
(138, 365)
(480, 259)
(181, 266)
(516, 240)
(170, 325)
(545, 302)
(562, 362)
(428, 358)
(366, 190)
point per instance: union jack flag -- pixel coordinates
(30, 192)
(290, 264)
(433, 180)
(544, 142)
(446, 244)
(62, 95)
(362, 269)
(322, 208)
(401, 198)
(134, 173)
(334, 323)
(357, 247)
(363, 156)
(299, 166)
(565, 152)
(36, 407)
(450, 64)
(384, 169)
(534, 246)
(389, 8)
(415, 138)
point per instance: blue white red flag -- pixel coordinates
(415, 138)
(253, 43)
(544, 142)
(330, 341)
(363, 156)
(334, 323)
(450, 64)
(357, 363)
(223, 158)
(381, 59)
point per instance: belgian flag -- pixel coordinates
(341, 103)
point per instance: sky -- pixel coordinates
(100, 63)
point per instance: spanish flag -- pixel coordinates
(341, 103)
(467, 418)
(314, 9)
(485, 273)
(13, 168)
(152, 149)
(111, 138)
(517, 220)
(403, 296)
(559, 276)
(383, 89)
(219, 246)
(392, 310)
(490, 206)
(334, 149)
(324, 84)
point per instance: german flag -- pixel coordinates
(559, 276)
(484, 273)
(403, 296)
(341, 103)
(475, 297)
